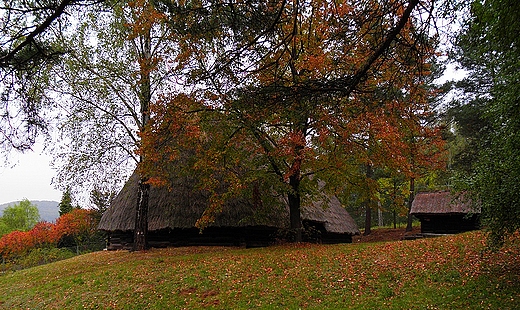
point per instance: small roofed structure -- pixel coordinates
(173, 213)
(445, 213)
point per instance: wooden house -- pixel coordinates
(173, 213)
(445, 213)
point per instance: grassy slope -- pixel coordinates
(443, 273)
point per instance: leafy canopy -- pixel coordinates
(299, 92)
(21, 216)
(489, 49)
(29, 46)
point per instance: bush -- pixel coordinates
(79, 227)
(18, 243)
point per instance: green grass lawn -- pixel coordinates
(451, 272)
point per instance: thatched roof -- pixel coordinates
(442, 202)
(331, 213)
(184, 204)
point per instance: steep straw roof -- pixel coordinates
(331, 213)
(442, 202)
(183, 206)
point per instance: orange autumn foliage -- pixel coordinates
(75, 223)
(309, 96)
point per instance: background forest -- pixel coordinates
(292, 97)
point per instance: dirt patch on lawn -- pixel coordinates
(386, 234)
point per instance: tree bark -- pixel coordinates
(410, 200)
(295, 207)
(394, 204)
(141, 217)
(380, 220)
(368, 219)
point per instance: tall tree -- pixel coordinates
(98, 89)
(297, 80)
(489, 50)
(124, 58)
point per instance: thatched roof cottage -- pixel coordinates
(173, 214)
(445, 213)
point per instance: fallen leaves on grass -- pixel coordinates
(448, 272)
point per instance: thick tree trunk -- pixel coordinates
(410, 200)
(145, 97)
(141, 217)
(295, 207)
(368, 219)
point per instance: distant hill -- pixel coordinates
(49, 211)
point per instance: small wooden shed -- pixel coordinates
(173, 213)
(442, 212)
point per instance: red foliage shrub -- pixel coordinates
(79, 224)
(14, 243)
(43, 234)
(76, 223)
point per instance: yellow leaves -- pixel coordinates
(208, 217)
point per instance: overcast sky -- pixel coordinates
(30, 178)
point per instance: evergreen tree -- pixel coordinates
(66, 203)
(489, 49)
